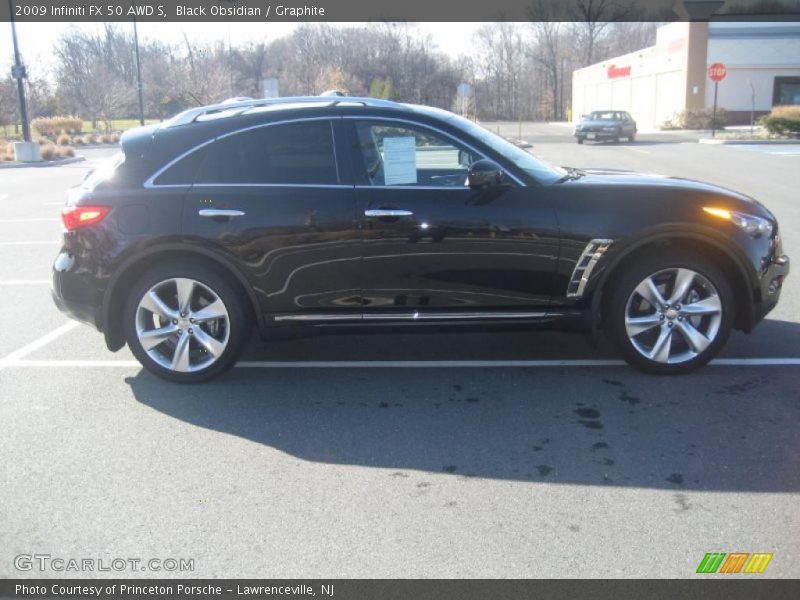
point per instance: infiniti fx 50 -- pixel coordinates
(323, 212)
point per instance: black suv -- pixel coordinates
(342, 211)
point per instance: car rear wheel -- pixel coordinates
(580, 140)
(672, 314)
(185, 323)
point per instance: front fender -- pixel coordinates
(745, 267)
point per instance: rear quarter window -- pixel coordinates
(184, 171)
(290, 153)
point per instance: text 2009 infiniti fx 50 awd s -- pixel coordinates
(341, 211)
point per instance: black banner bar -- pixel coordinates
(714, 587)
(394, 10)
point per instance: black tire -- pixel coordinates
(238, 314)
(615, 139)
(580, 140)
(632, 138)
(621, 289)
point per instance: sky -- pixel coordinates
(37, 39)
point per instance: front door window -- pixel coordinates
(395, 155)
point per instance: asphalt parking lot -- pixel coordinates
(481, 458)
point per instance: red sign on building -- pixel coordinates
(614, 71)
(717, 72)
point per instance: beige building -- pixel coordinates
(763, 70)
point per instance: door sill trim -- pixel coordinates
(415, 316)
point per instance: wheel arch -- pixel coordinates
(133, 267)
(730, 261)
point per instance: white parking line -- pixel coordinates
(401, 364)
(25, 282)
(17, 355)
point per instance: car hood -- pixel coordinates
(621, 178)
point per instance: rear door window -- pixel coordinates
(290, 153)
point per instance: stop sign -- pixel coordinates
(717, 72)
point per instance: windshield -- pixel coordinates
(540, 170)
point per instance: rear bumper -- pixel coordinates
(597, 135)
(75, 293)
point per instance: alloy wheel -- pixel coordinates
(182, 324)
(673, 315)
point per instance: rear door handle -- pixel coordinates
(219, 212)
(388, 212)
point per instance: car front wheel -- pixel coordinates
(671, 315)
(185, 323)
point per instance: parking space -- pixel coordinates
(490, 455)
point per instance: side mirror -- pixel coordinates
(485, 173)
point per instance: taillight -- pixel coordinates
(75, 217)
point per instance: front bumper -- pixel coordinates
(771, 283)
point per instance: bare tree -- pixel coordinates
(547, 52)
(502, 54)
(90, 79)
(628, 36)
(9, 114)
(591, 19)
(207, 78)
(249, 65)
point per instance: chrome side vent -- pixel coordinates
(585, 265)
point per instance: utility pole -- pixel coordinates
(18, 73)
(138, 71)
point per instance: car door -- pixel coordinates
(628, 126)
(432, 245)
(274, 199)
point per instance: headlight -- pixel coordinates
(751, 224)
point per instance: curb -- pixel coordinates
(95, 146)
(759, 142)
(44, 163)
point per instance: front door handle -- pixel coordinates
(388, 212)
(216, 213)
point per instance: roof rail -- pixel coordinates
(189, 116)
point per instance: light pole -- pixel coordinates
(138, 71)
(18, 73)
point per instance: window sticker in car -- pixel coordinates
(400, 160)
